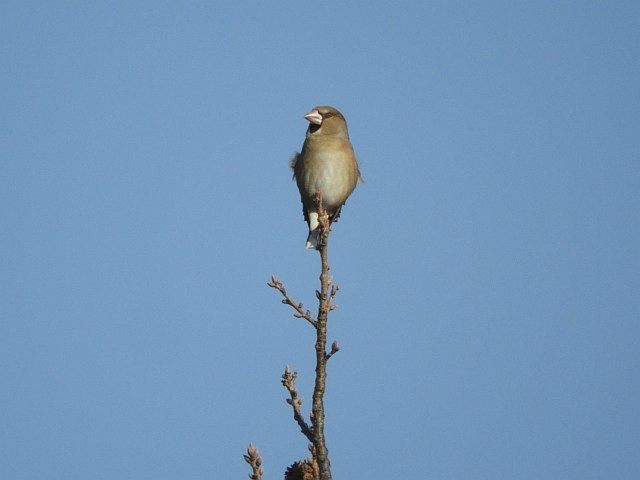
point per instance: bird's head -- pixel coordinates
(326, 121)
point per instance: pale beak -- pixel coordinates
(314, 117)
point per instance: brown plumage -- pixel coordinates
(327, 164)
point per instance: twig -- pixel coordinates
(317, 410)
(289, 382)
(334, 349)
(315, 431)
(275, 283)
(313, 461)
(253, 458)
(334, 290)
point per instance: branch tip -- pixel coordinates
(275, 283)
(255, 461)
(289, 382)
(335, 348)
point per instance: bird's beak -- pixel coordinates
(314, 117)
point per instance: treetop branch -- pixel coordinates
(289, 382)
(275, 283)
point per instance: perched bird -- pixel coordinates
(326, 165)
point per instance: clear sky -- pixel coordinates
(489, 312)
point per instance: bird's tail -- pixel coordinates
(313, 240)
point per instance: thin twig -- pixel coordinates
(313, 460)
(317, 410)
(334, 290)
(334, 349)
(275, 283)
(315, 431)
(253, 458)
(289, 382)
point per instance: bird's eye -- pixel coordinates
(328, 115)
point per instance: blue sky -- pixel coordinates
(489, 267)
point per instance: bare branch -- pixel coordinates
(289, 382)
(334, 290)
(334, 349)
(253, 458)
(275, 283)
(318, 466)
(313, 460)
(317, 410)
(323, 218)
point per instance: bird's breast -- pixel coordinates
(329, 168)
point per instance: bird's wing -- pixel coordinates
(292, 163)
(336, 215)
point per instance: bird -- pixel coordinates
(326, 165)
